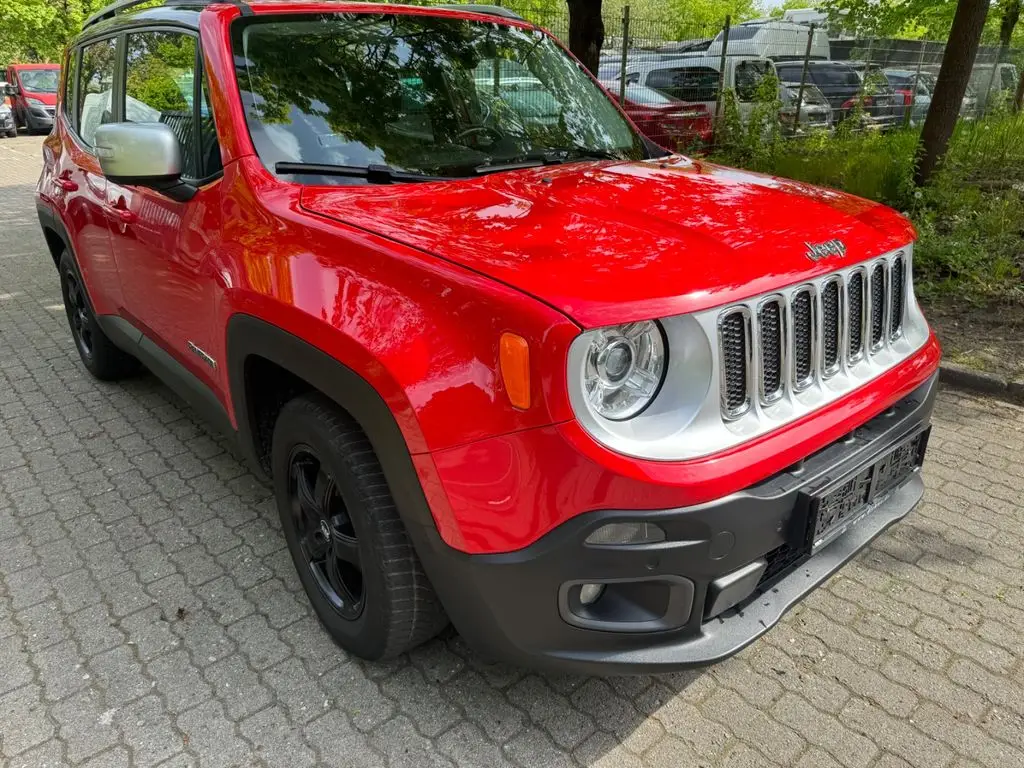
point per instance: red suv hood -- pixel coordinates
(616, 241)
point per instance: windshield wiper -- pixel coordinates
(548, 157)
(374, 174)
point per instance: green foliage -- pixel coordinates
(970, 220)
(38, 30)
(791, 5)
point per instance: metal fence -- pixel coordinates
(686, 85)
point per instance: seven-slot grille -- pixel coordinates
(809, 335)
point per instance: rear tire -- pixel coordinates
(346, 538)
(99, 355)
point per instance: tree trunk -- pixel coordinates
(1011, 15)
(961, 50)
(1018, 102)
(586, 32)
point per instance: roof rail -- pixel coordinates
(121, 6)
(489, 10)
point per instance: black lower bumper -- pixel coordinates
(666, 604)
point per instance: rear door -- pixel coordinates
(74, 181)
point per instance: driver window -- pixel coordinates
(160, 88)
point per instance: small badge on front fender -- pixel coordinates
(819, 251)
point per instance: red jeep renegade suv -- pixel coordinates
(505, 361)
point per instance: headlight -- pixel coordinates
(35, 102)
(625, 365)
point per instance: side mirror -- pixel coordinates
(10, 89)
(142, 155)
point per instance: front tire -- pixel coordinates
(346, 538)
(99, 354)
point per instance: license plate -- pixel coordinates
(840, 506)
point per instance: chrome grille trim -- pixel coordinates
(732, 412)
(775, 393)
(817, 351)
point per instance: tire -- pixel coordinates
(346, 538)
(99, 355)
(12, 133)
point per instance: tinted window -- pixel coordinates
(899, 81)
(686, 83)
(423, 94)
(791, 73)
(95, 88)
(160, 87)
(748, 76)
(831, 75)
(745, 32)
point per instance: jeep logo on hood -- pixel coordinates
(819, 251)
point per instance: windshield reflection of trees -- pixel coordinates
(418, 93)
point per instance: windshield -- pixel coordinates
(39, 80)
(420, 94)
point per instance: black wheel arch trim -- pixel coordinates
(249, 336)
(50, 220)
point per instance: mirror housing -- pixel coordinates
(142, 155)
(10, 89)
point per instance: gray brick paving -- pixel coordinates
(118, 508)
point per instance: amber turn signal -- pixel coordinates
(515, 369)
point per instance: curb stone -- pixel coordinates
(964, 378)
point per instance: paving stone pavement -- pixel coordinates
(150, 614)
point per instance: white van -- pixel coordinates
(777, 40)
(695, 79)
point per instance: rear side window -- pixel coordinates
(834, 76)
(160, 88)
(686, 83)
(67, 98)
(95, 88)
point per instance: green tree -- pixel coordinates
(792, 5)
(39, 30)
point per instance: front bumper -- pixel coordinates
(519, 606)
(38, 118)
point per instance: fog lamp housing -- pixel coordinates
(612, 534)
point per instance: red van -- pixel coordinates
(35, 94)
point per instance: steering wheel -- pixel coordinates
(478, 130)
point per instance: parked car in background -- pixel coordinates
(994, 90)
(673, 124)
(815, 111)
(695, 79)
(35, 94)
(607, 409)
(841, 86)
(7, 124)
(913, 91)
(771, 39)
(875, 84)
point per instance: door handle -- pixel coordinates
(120, 211)
(64, 182)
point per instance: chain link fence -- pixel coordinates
(688, 86)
